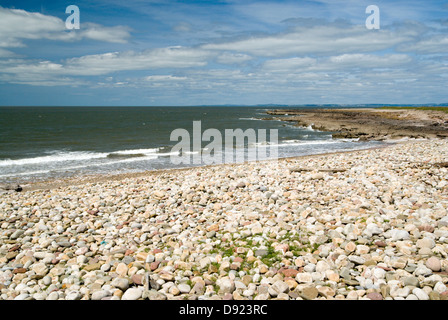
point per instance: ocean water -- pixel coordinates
(45, 143)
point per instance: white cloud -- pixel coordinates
(102, 64)
(340, 63)
(169, 78)
(233, 58)
(6, 53)
(18, 25)
(117, 34)
(171, 57)
(288, 65)
(437, 43)
(319, 39)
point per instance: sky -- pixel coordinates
(184, 53)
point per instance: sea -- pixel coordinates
(47, 143)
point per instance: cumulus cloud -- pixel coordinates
(171, 57)
(17, 25)
(318, 39)
(102, 64)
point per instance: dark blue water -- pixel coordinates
(44, 143)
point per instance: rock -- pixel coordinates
(40, 269)
(278, 287)
(304, 278)
(290, 273)
(356, 259)
(440, 287)
(122, 269)
(198, 288)
(46, 280)
(73, 295)
(52, 296)
(100, 294)
(19, 270)
(332, 275)
(184, 288)
(426, 228)
(137, 279)
(92, 267)
(372, 229)
(17, 234)
(322, 266)
(399, 292)
(226, 285)
(374, 296)
(120, 283)
(174, 291)
(420, 294)
(132, 294)
(326, 292)
(433, 263)
(153, 295)
(22, 296)
(150, 258)
(398, 234)
(422, 270)
(425, 243)
(399, 263)
(309, 293)
(261, 252)
(433, 295)
(411, 281)
(204, 262)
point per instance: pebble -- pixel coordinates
(433, 263)
(132, 294)
(420, 294)
(120, 283)
(377, 231)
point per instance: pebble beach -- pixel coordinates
(369, 224)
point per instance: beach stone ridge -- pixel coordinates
(374, 229)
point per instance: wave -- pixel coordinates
(250, 119)
(57, 157)
(73, 156)
(310, 128)
(137, 153)
(286, 143)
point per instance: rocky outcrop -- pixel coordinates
(370, 123)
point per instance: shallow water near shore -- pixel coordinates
(43, 143)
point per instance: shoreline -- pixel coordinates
(99, 178)
(330, 120)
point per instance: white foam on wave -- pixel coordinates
(287, 143)
(56, 157)
(150, 151)
(66, 156)
(310, 128)
(250, 119)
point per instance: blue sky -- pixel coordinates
(223, 52)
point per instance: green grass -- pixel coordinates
(443, 109)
